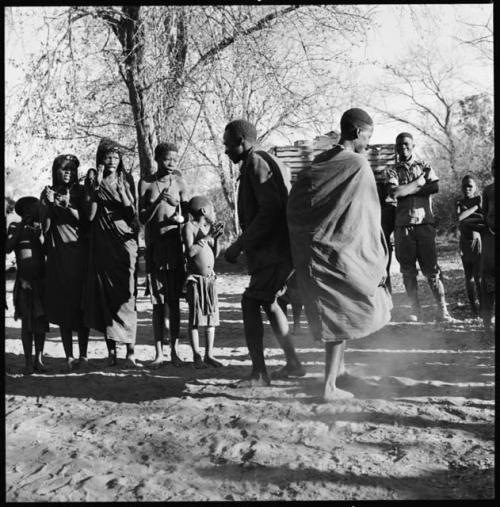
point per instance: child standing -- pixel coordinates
(200, 237)
(470, 219)
(24, 238)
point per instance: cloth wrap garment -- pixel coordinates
(201, 296)
(338, 248)
(109, 295)
(67, 251)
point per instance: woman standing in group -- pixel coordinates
(109, 302)
(66, 247)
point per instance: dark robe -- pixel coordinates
(109, 302)
(338, 248)
(67, 249)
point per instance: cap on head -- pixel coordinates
(163, 148)
(23, 203)
(197, 203)
(242, 129)
(353, 119)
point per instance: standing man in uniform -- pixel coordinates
(162, 209)
(412, 182)
(262, 197)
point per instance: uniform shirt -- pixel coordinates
(412, 209)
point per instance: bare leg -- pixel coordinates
(175, 325)
(254, 336)
(130, 358)
(83, 344)
(279, 324)
(27, 340)
(111, 344)
(195, 346)
(296, 312)
(39, 343)
(487, 304)
(209, 347)
(158, 326)
(67, 340)
(334, 357)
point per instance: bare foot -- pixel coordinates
(157, 363)
(82, 364)
(198, 362)
(345, 379)
(211, 361)
(112, 360)
(177, 361)
(333, 393)
(39, 367)
(70, 364)
(131, 363)
(288, 371)
(262, 380)
(28, 369)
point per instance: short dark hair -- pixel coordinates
(242, 129)
(24, 203)
(353, 119)
(197, 202)
(404, 134)
(163, 148)
(468, 177)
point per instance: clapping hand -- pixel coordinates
(100, 173)
(218, 229)
(49, 194)
(62, 199)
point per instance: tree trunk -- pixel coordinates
(130, 33)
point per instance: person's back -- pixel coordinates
(24, 239)
(338, 247)
(30, 260)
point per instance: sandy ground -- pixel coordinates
(420, 427)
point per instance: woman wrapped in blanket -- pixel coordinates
(109, 301)
(67, 249)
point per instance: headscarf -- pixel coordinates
(62, 161)
(106, 146)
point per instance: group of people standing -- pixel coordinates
(76, 253)
(325, 232)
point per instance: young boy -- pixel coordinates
(470, 218)
(488, 256)
(24, 238)
(162, 210)
(200, 237)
